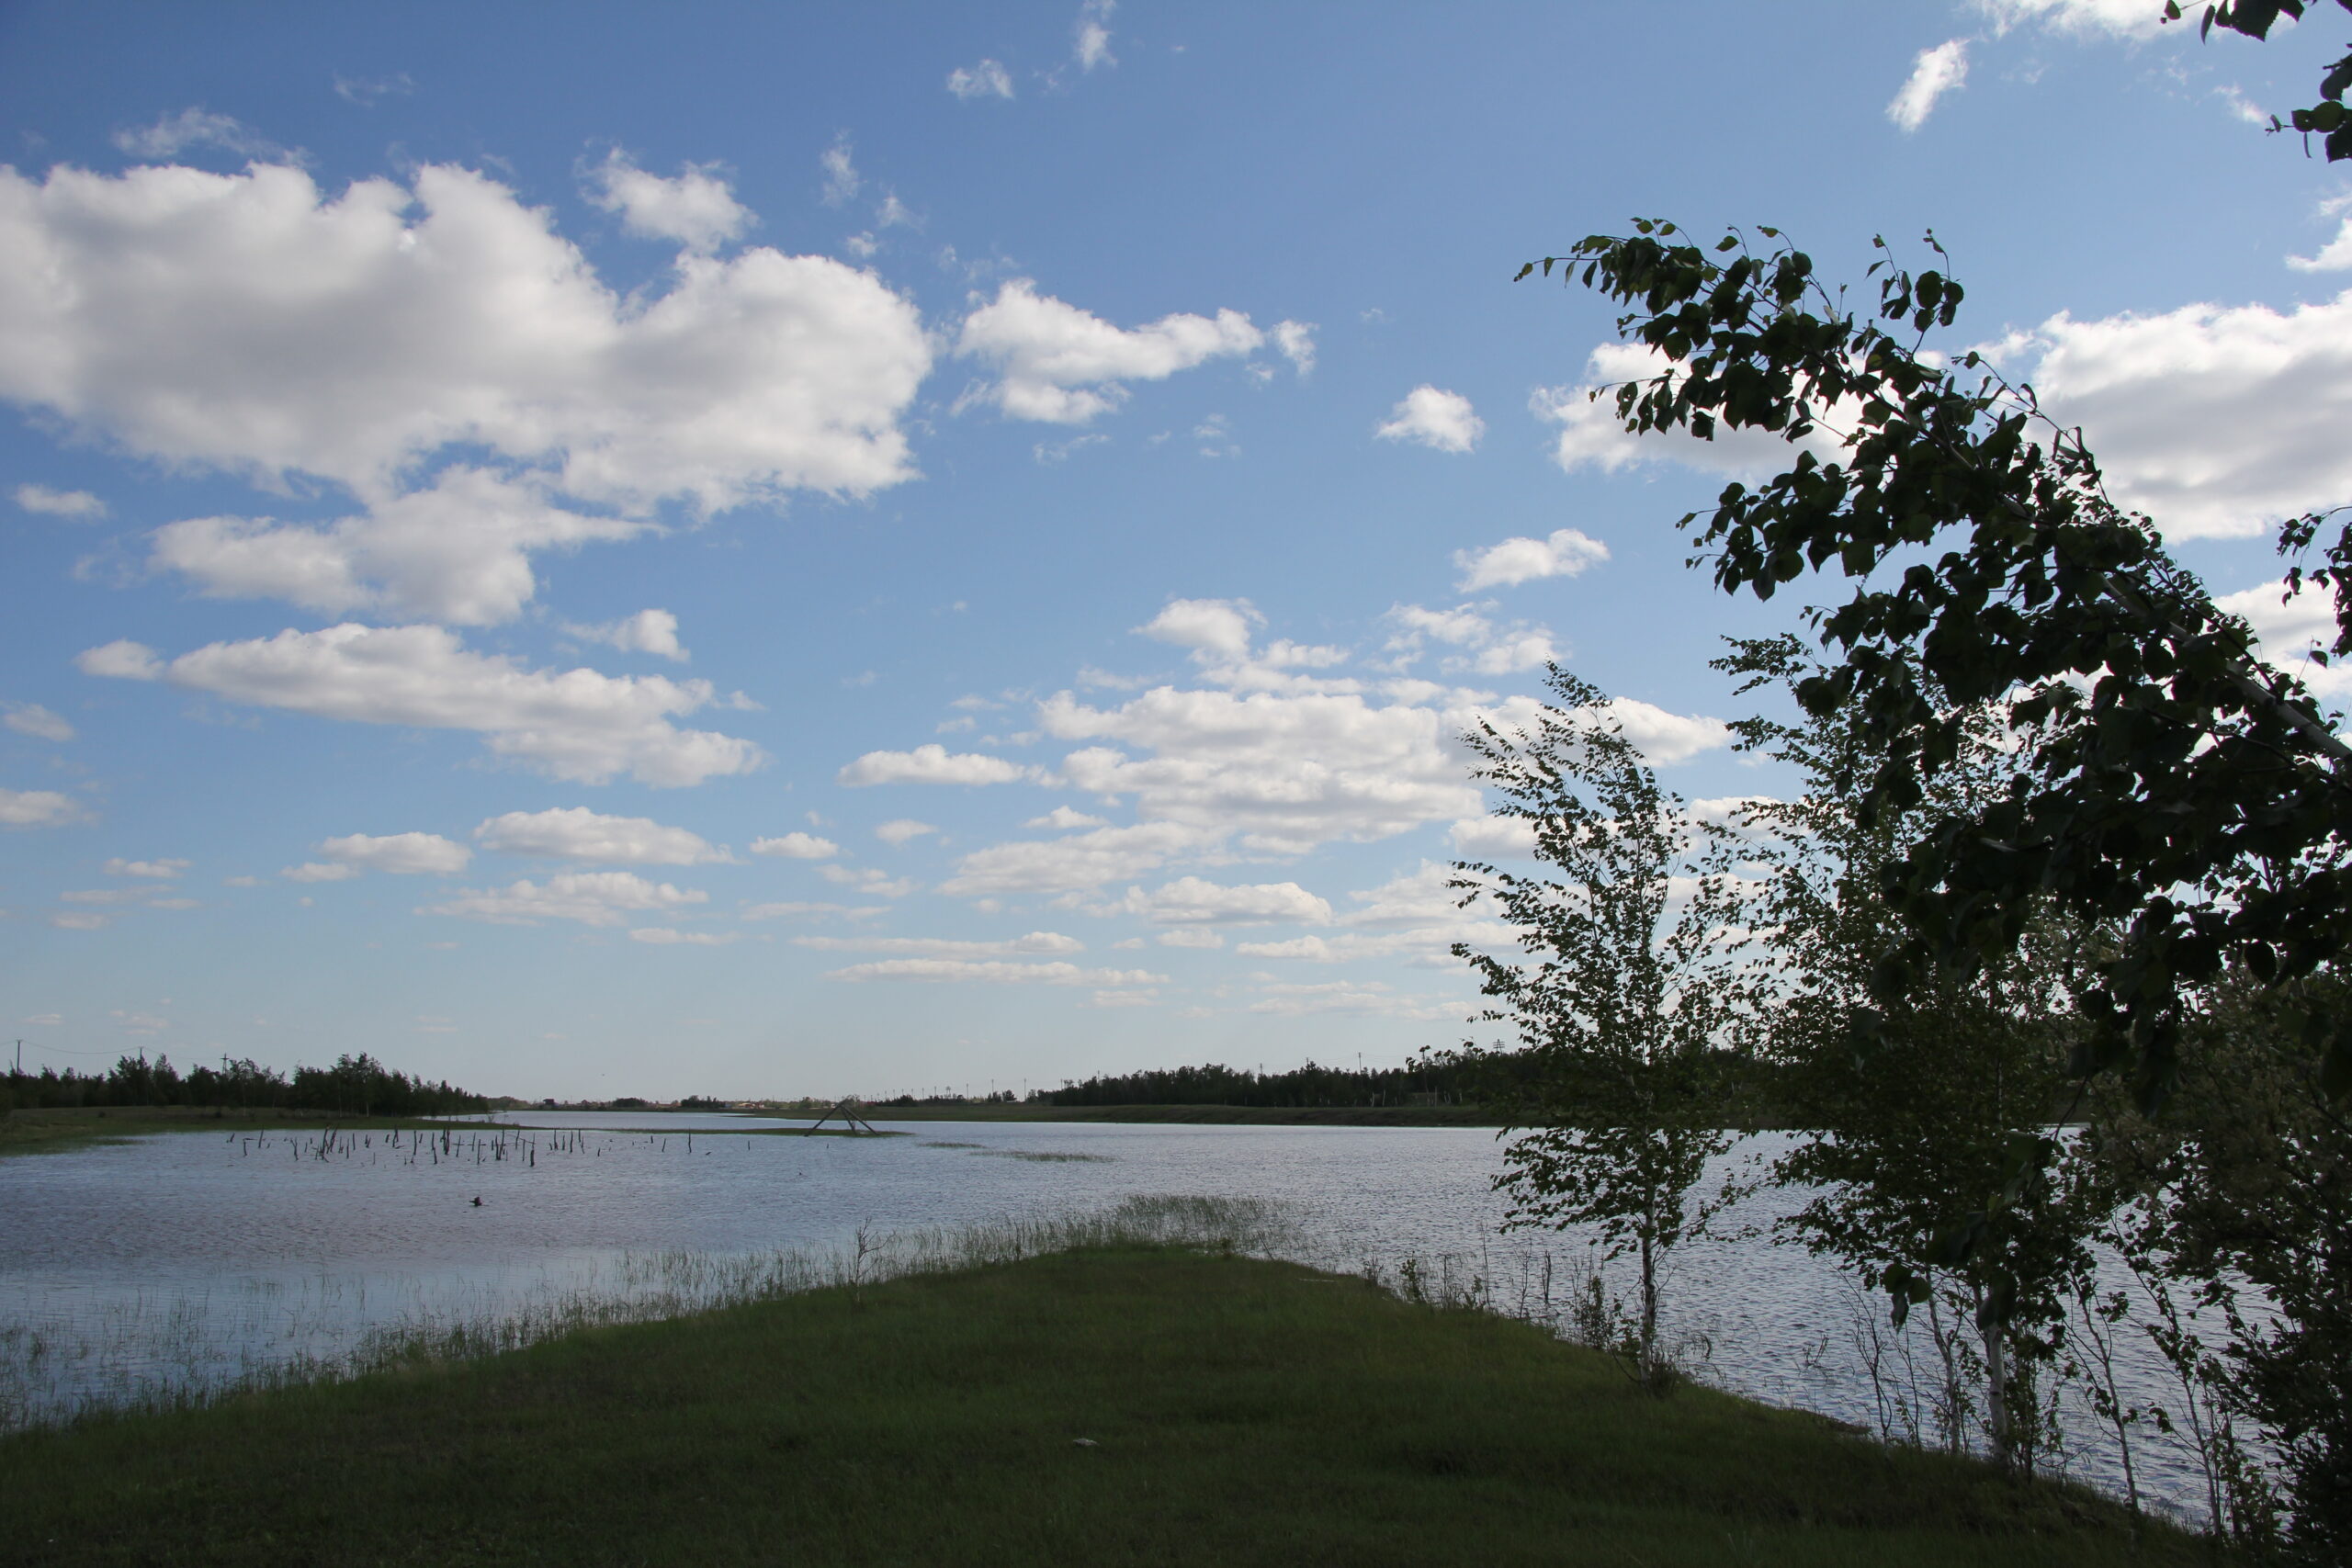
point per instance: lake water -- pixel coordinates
(188, 1261)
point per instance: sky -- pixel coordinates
(760, 551)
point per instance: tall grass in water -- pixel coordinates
(158, 1352)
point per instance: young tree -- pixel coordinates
(1926, 1093)
(1628, 991)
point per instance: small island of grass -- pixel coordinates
(1123, 1405)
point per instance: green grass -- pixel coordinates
(40, 1132)
(1240, 1412)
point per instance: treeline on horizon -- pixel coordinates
(1744, 1090)
(1429, 1078)
(355, 1085)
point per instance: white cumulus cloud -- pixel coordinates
(2217, 421)
(648, 631)
(902, 830)
(152, 869)
(401, 855)
(797, 846)
(39, 809)
(321, 871)
(576, 833)
(1431, 417)
(1938, 71)
(992, 972)
(456, 551)
(257, 324)
(1058, 365)
(930, 763)
(1566, 553)
(31, 718)
(695, 207)
(78, 504)
(576, 724)
(668, 936)
(1090, 34)
(1193, 901)
(591, 897)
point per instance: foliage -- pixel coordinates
(1933, 1092)
(356, 1085)
(2246, 1198)
(2163, 758)
(1430, 1080)
(1628, 1001)
(2326, 119)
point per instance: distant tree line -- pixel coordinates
(356, 1085)
(1429, 1078)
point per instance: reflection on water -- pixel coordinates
(179, 1263)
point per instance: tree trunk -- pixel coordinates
(1998, 1420)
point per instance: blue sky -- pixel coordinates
(755, 550)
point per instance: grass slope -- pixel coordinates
(1241, 1412)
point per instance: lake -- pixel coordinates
(185, 1262)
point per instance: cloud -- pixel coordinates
(1218, 627)
(1035, 943)
(368, 92)
(575, 725)
(195, 127)
(901, 829)
(31, 718)
(458, 551)
(39, 809)
(1431, 417)
(1191, 901)
(2216, 420)
(256, 324)
(664, 936)
(78, 504)
(152, 869)
(1938, 71)
(1074, 863)
(2118, 18)
(797, 846)
(841, 178)
(321, 871)
(988, 79)
(1090, 34)
(80, 921)
(1287, 773)
(1488, 649)
(1296, 341)
(648, 631)
(1493, 838)
(1373, 998)
(697, 208)
(992, 973)
(873, 883)
(1191, 937)
(1064, 819)
(401, 854)
(576, 833)
(1566, 553)
(2336, 254)
(591, 897)
(802, 909)
(1058, 365)
(932, 764)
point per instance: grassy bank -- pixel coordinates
(34, 1131)
(1246, 1115)
(1106, 1408)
